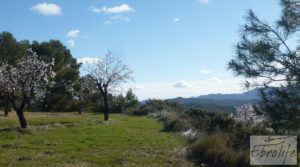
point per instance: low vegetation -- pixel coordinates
(65, 139)
(217, 150)
(215, 139)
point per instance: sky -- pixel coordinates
(175, 47)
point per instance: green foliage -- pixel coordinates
(176, 119)
(210, 121)
(131, 102)
(151, 106)
(282, 107)
(67, 72)
(128, 104)
(264, 54)
(10, 48)
(240, 135)
(154, 106)
(65, 67)
(117, 103)
(94, 103)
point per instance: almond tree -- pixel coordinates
(246, 113)
(10, 50)
(109, 73)
(25, 81)
(82, 90)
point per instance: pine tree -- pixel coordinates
(131, 101)
(67, 72)
(266, 57)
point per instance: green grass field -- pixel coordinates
(70, 140)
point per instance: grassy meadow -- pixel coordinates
(68, 139)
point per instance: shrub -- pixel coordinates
(240, 135)
(175, 121)
(154, 107)
(216, 150)
(210, 121)
(136, 112)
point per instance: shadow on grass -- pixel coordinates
(14, 129)
(41, 127)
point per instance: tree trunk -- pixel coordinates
(5, 112)
(20, 111)
(22, 119)
(106, 108)
(7, 107)
(81, 109)
(45, 104)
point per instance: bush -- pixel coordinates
(216, 150)
(116, 109)
(154, 107)
(216, 138)
(175, 121)
(136, 112)
(210, 121)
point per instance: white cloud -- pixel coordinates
(73, 33)
(117, 19)
(47, 9)
(205, 71)
(71, 43)
(181, 84)
(175, 20)
(215, 79)
(203, 1)
(88, 60)
(113, 10)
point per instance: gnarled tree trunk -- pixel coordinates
(20, 111)
(22, 119)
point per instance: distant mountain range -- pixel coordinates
(219, 102)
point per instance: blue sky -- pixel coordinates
(175, 47)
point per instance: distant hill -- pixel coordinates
(223, 102)
(251, 95)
